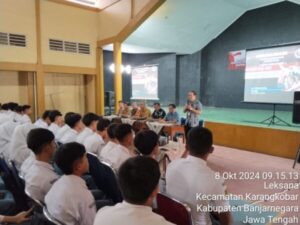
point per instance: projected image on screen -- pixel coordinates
(144, 82)
(272, 75)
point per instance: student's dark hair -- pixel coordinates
(173, 105)
(156, 103)
(25, 107)
(122, 131)
(19, 109)
(73, 119)
(37, 138)
(4, 106)
(46, 114)
(68, 114)
(194, 92)
(67, 155)
(102, 124)
(145, 141)
(88, 118)
(53, 114)
(111, 130)
(199, 141)
(138, 178)
(12, 106)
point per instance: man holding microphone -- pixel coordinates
(193, 110)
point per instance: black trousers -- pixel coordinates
(186, 130)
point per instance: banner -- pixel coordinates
(237, 60)
(144, 80)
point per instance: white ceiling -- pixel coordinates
(186, 26)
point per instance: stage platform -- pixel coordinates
(241, 129)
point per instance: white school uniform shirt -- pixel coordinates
(186, 177)
(53, 128)
(84, 134)
(6, 132)
(39, 179)
(61, 132)
(115, 155)
(94, 144)
(41, 123)
(27, 164)
(128, 214)
(69, 136)
(70, 201)
(19, 150)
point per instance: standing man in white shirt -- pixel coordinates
(117, 155)
(75, 123)
(69, 199)
(40, 176)
(188, 177)
(56, 119)
(44, 121)
(90, 121)
(98, 139)
(138, 179)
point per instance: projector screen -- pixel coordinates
(144, 80)
(272, 74)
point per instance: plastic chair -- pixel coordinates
(50, 218)
(13, 185)
(173, 210)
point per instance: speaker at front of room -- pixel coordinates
(296, 107)
(109, 98)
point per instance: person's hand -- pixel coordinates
(22, 216)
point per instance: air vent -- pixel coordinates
(84, 48)
(68, 46)
(18, 40)
(3, 38)
(56, 45)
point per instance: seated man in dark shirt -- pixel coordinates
(158, 113)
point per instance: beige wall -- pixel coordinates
(69, 23)
(65, 92)
(13, 87)
(18, 16)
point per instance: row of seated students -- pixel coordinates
(54, 176)
(142, 112)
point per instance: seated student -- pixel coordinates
(118, 154)
(75, 123)
(198, 178)
(143, 112)
(44, 121)
(158, 112)
(55, 117)
(6, 132)
(112, 141)
(134, 109)
(63, 129)
(69, 199)
(27, 111)
(95, 142)
(172, 115)
(125, 112)
(138, 179)
(90, 121)
(40, 175)
(146, 143)
(121, 108)
(18, 150)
